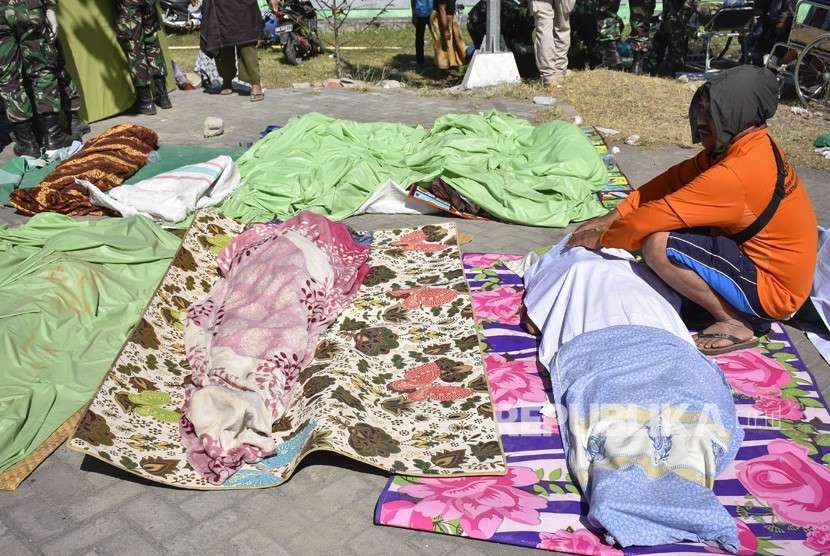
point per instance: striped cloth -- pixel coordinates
(105, 161)
(171, 196)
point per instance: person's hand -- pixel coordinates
(589, 233)
(275, 5)
(589, 238)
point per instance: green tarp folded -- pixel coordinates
(70, 292)
(540, 176)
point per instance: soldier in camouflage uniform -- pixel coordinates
(596, 30)
(609, 31)
(583, 50)
(70, 97)
(671, 41)
(138, 27)
(27, 66)
(640, 38)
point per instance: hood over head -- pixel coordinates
(739, 98)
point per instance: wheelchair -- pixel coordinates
(712, 23)
(804, 60)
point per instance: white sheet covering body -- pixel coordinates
(572, 291)
(170, 197)
(820, 296)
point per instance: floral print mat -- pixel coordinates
(397, 381)
(778, 489)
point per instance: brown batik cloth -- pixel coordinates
(105, 161)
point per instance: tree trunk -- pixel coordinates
(338, 65)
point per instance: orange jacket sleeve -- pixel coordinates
(712, 199)
(669, 181)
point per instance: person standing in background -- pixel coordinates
(421, 10)
(671, 41)
(28, 61)
(137, 24)
(230, 32)
(640, 36)
(450, 48)
(552, 37)
(70, 97)
(609, 32)
(773, 21)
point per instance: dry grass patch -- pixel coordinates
(383, 53)
(655, 109)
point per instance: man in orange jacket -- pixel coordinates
(731, 229)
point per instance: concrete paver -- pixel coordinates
(73, 505)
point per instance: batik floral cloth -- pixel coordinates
(280, 286)
(105, 161)
(777, 489)
(397, 381)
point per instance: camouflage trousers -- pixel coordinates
(641, 13)
(138, 27)
(597, 21)
(28, 59)
(593, 22)
(609, 24)
(671, 41)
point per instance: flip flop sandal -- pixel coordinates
(736, 343)
(256, 97)
(226, 92)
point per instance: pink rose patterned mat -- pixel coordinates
(778, 489)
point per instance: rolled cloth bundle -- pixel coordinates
(105, 161)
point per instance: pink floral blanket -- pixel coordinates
(280, 286)
(777, 489)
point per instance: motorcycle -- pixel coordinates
(295, 28)
(181, 15)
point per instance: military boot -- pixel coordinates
(77, 126)
(54, 137)
(144, 101)
(25, 140)
(610, 56)
(161, 97)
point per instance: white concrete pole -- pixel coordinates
(493, 26)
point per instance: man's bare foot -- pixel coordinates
(725, 336)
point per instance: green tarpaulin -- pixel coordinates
(541, 176)
(70, 292)
(95, 59)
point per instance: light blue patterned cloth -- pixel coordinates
(647, 423)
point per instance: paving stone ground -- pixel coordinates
(72, 505)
